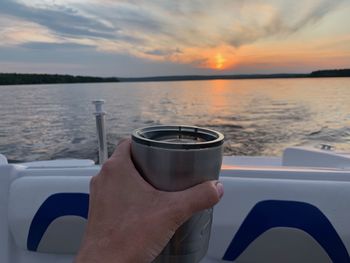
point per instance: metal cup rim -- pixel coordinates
(212, 138)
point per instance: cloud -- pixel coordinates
(207, 23)
(55, 46)
(162, 52)
(15, 31)
(188, 31)
(157, 23)
(62, 20)
(85, 62)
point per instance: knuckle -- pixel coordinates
(93, 183)
(108, 167)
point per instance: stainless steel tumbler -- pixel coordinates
(174, 158)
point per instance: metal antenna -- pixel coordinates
(101, 130)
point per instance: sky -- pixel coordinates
(134, 38)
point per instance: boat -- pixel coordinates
(292, 208)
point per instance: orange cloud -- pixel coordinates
(217, 58)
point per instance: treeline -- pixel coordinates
(314, 74)
(16, 78)
(331, 73)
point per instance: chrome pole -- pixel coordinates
(101, 130)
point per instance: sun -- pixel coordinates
(219, 61)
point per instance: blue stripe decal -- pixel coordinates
(55, 206)
(274, 213)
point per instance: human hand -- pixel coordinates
(131, 221)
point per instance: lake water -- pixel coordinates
(258, 117)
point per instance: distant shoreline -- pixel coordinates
(26, 79)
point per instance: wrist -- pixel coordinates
(97, 251)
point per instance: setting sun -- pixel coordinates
(220, 60)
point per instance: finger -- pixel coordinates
(122, 140)
(197, 198)
(121, 157)
(122, 149)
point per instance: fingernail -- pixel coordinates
(219, 188)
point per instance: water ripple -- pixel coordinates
(257, 117)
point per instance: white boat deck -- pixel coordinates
(311, 186)
(249, 160)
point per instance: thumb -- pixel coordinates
(197, 198)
